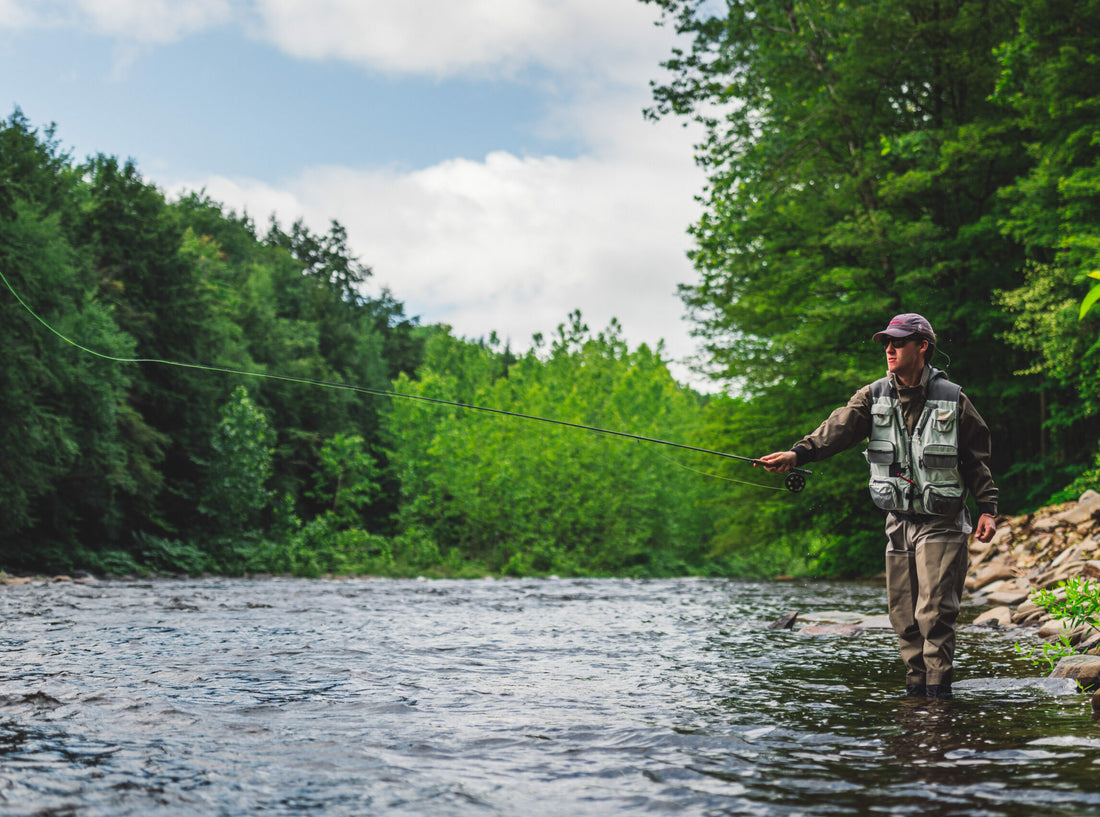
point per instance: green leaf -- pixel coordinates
(1090, 299)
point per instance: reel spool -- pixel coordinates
(795, 482)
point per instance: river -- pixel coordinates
(511, 697)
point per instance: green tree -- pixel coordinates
(118, 454)
(1050, 79)
(235, 490)
(346, 481)
(517, 496)
(79, 463)
(854, 161)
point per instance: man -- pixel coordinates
(927, 447)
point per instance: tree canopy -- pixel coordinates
(120, 467)
(866, 160)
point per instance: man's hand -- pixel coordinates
(987, 526)
(781, 462)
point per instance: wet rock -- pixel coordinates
(1096, 702)
(880, 622)
(996, 586)
(1025, 609)
(1056, 628)
(833, 617)
(1084, 669)
(1086, 509)
(784, 622)
(1089, 641)
(997, 570)
(843, 630)
(1010, 596)
(1036, 618)
(1001, 685)
(1069, 555)
(980, 552)
(997, 617)
(1047, 524)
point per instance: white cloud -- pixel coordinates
(154, 21)
(139, 21)
(430, 37)
(511, 243)
(443, 38)
(16, 15)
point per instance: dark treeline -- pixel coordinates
(121, 467)
(863, 160)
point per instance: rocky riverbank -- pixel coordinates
(1039, 551)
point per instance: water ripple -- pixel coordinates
(509, 697)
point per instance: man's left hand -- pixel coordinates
(987, 526)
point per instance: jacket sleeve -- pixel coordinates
(844, 428)
(974, 453)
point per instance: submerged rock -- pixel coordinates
(784, 622)
(833, 617)
(879, 622)
(844, 630)
(1006, 686)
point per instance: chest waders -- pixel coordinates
(916, 473)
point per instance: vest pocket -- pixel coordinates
(882, 415)
(885, 494)
(942, 500)
(940, 456)
(879, 452)
(943, 420)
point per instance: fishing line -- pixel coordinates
(795, 481)
(713, 475)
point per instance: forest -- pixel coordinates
(184, 392)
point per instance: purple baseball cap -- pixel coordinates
(902, 326)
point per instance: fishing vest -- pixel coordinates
(919, 472)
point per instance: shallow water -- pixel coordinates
(510, 697)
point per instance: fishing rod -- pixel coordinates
(795, 481)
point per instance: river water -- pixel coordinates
(510, 697)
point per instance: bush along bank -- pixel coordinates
(1042, 571)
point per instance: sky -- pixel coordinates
(489, 158)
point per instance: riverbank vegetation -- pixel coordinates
(862, 161)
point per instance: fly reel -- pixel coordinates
(795, 482)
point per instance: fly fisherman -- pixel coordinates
(927, 447)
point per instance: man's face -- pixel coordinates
(905, 356)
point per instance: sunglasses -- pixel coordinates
(899, 343)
